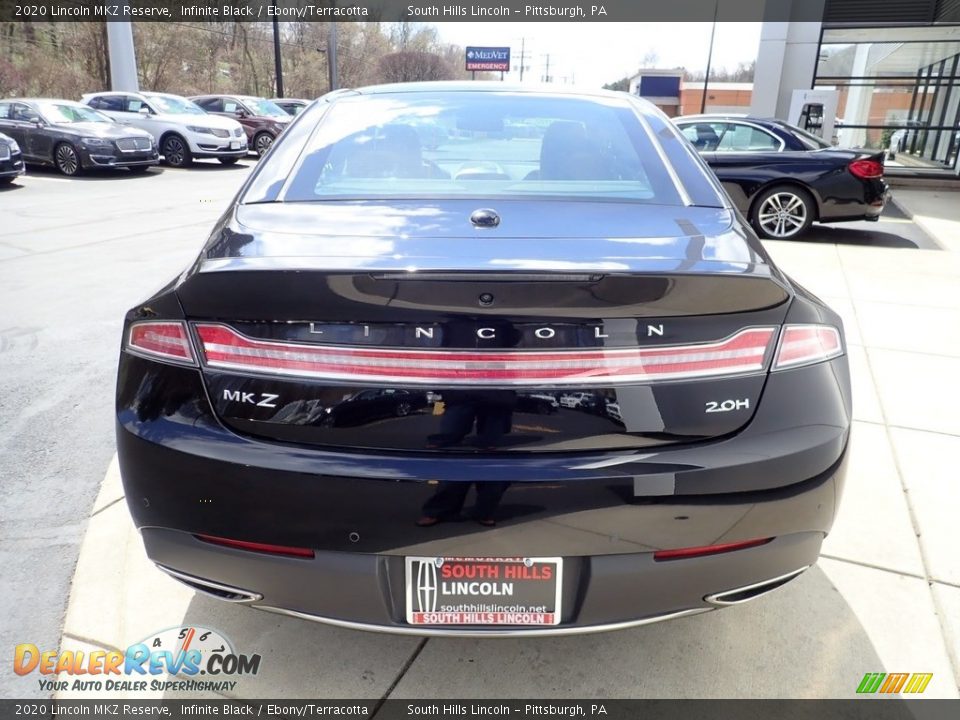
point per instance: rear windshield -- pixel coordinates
(481, 144)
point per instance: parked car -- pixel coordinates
(72, 137)
(578, 400)
(782, 178)
(607, 263)
(367, 406)
(291, 106)
(261, 119)
(182, 131)
(11, 160)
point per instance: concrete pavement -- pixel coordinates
(885, 596)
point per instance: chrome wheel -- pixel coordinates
(66, 159)
(783, 214)
(175, 151)
(262, 143)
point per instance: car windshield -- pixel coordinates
(482, 145)
(810, 140)
(265, 108)
(175, 105)
(70, 113)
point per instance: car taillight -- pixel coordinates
(258, 547)
(866, 169)
(807, 344)
(742, 352)
(703, 550)
(161, 340)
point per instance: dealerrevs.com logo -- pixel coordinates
(894, 683)
(205, 657)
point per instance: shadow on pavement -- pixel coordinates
(802, 640)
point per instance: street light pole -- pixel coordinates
(706, 79)
(278, 67)
(332, 55)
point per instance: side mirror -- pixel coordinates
(36, 122)
(144, 110)
(240, 113)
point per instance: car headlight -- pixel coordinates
(14, 148)
(201, 130)
(96, 142)
(278, 128)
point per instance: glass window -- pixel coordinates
(230, 106)
(481, 144)
(746, 138)
(175, 105)
(71, 113)
(705, 136)
(264, 108)
(210, 104)
(24, 113)
(4, 111)
(113, 103)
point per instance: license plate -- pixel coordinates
(483, 591)
(235, 145)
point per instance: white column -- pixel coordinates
(123, 59)
(786, 61)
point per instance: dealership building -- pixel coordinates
(891, 66)
(881, 74)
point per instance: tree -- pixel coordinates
(413, 66)
(622, 84)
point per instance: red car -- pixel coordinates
(262, 120)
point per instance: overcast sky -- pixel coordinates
(596, 53)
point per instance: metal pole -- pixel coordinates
(332, 55)
(123, 58)
(706, 79)
(278, 66)
(523, 55)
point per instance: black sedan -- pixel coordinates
(11, 160)
(593, 256)
(783, 178)
(73, 137)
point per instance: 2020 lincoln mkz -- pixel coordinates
(535, 376)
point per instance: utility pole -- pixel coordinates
(706, 79)
(546, 75)
(523, 55)
(122, 57)
(332, 54)
(278, 66)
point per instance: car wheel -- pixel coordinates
(782, 213)
(176, 151)
(66, 159)
(228, 161)
(262, 143)
(403, 409)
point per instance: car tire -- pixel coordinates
(783, 212)
(67, 160)
(262, 143)
(176, 151)
(403, 409)
(228, 161)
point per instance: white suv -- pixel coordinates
(183, 130)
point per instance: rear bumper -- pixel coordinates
(366, 591)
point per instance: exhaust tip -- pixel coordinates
(227, 593)
(749, 592)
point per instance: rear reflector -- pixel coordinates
(258, 547)
(161, 340)
(866, 169)
(743, 352)
(692, 552)
(807, 344)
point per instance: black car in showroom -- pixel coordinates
(594, 256)
(11, 160)
(783, 178)
(73, 137)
